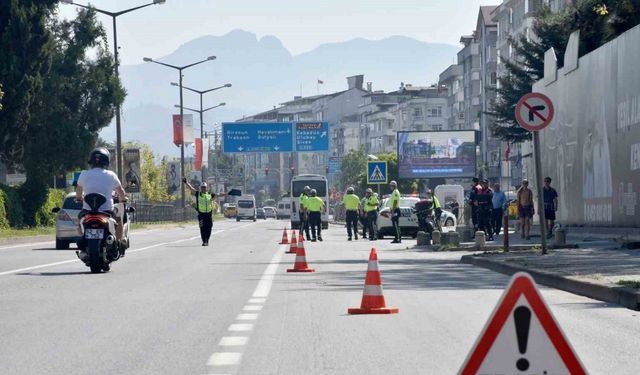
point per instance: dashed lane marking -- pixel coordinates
(233, 341)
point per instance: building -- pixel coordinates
(452, 81)
(469, 60)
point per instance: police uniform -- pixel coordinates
(371, 210)
(395, 215)
(437, 209)
(204, 206)
(484, 198)
(304, 220)
(314, 205)
(351, 204)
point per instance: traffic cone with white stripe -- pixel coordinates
(285, 239)
(301, 261)
(372, 298)
(300, 237)
(293, 248)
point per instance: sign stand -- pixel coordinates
(534, 112)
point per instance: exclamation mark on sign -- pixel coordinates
(522, 317)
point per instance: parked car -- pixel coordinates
(67, 222)
(229, 210)
(271, 212)
(260, 214)
(408, 218)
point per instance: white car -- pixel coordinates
(67, 222)
(408, 218)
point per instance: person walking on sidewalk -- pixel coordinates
(204, 206)
(499, 202)
(525, 208)
(351, 205)
(315, 207)
(304, 213)
(550, 197)
(484, 198)
(371, 204)
(473, 202)
(394, 203)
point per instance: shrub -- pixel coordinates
(44, 216)
(10, 207)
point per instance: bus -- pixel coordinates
(314, 181)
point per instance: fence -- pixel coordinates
(147, 212)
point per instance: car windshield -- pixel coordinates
(245, 204)
(319, 185)
(71, 204)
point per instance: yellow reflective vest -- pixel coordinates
(204, 203)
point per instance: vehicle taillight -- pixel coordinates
(64, 216)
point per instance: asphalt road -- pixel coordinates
(174, 307)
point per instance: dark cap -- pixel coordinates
(475, 179)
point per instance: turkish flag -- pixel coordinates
(197, 163)
(177, 130)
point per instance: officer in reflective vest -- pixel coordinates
(304, 212)
(315, 206)
(351, 205)
(204, 206)
(371, 204)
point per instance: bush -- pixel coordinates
(44, 216)
(11, 213)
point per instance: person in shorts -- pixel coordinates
(525, 208)
(550, 197)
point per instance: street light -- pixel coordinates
(114, 15)
(180, 69)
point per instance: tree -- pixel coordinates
(353, 171)
(77, 100)
(26, 44)
(406, 186)
(153, 184)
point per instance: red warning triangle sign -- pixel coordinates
(522, 337)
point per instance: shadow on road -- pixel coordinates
(55, 273)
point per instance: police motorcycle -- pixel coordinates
(424, 211)
(98, 238)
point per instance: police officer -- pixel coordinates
(371, 204)
(437, 208)
(484, 199)
(204, 206)
(315, 206)
(304, 213)
(363, 217)
(351, 205)
(394, 203)
(473, 202)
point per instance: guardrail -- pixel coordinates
(156, 212)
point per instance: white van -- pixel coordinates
(246, 206)
(314, 181)
(284, 208)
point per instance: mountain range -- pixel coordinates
(263, 74)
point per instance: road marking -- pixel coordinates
(25, 245)
(233, 341)
(247, 317)
(240, 327)
(78, 260)
(257, 300)
(252, 308)
(224, 359)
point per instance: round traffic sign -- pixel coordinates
(534, 111)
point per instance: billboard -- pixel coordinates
(173, 177)
(437, 154)
(132, 170)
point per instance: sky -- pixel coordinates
(301, 25)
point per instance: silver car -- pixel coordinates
(67, 223)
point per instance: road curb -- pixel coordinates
(627, 297)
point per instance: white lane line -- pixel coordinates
(257, 300)
(224, 359)
(25, 245)
(247, 317)
(78, 260)
(264, 286)
(233, 341)
(252, 308)
(240, 327)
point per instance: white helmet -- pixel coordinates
(203, 185)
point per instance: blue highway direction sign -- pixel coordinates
(312, 136)
(243, 137)
(377, 172)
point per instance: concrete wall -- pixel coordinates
(592, 148)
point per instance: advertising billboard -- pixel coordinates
(132, 170)
(437, 154)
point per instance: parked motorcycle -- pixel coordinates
(425, 214)
(98, 234)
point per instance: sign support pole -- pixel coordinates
(543, 221)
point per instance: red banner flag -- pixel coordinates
(197, 163)
(177, 130)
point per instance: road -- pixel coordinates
(174, 307)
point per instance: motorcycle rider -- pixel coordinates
(437, 208)
(98, 179)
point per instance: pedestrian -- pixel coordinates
(499, 203)
(484, 198)
(204, 206)
(371, 210)
(475, 186)
(550, 197)
(394, 204)
(304, 213)
(363, 217)
(437, 208)
(351, 205)
(315, 206)
(525, 208)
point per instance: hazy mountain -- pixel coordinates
(264, 74)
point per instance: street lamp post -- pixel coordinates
(180, 69)
(114, 16)
(201, 111)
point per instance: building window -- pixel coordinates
(526, 6)
(390, 141)
(417, 112)
(434, 112)
(404, 115)
(510, 16)
(436, 127)
(494, 78)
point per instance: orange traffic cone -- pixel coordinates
(372, 298)
(301, 261)
(300, 237)
(285, 240)
(293, 248)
